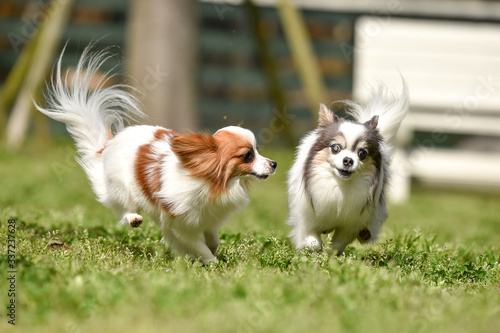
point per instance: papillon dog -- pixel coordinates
(190, 184)
(340, 172)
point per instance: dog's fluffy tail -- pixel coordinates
(91, 115)
(390, 109)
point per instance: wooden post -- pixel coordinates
(45, 48)
(162, 57)
(275, 87)
(15, 79)
(302, 54)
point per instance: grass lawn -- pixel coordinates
(435, 268)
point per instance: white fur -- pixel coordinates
(390, 109)
(90, 115)
(193, 212)
(336, 204)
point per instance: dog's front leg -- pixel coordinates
(304, 238)
(341, 238)
(190, 244)
(370, 232)
(212, 240)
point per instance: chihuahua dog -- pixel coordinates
(338, 179)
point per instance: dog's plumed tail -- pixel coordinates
(390, 110)
(91, 111)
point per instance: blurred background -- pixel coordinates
(265, 64)
(202, 65)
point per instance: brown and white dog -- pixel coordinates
(190, 184)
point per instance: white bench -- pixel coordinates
(453, 73)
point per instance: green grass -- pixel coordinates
(434, 269)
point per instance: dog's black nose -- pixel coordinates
(274, 165)
(348, 161)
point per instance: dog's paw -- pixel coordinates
(364, 234)
(313, 243)
(210, 261)
(132, 219)
(136, 222)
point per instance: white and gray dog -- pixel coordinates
(340, 172)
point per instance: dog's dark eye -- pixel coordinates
(362, 154)
(248, 156)
(336, 148)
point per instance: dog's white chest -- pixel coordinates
(340, 203)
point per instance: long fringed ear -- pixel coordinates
(372, 123)
(199, 154)
(195, 150)
(326, 116)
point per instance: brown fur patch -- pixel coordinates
(148, 170)
(233, 147)
(215, 158)
(320, 158)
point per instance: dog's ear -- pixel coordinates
(372, 123)
(195, 150)
(326, 116)
(200, 154)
